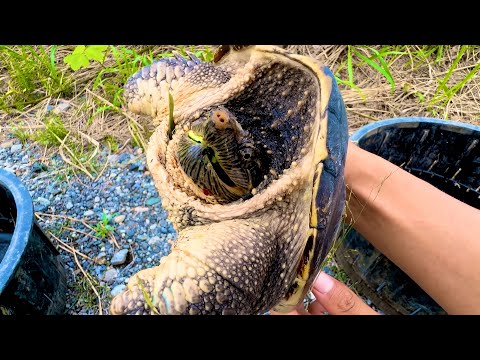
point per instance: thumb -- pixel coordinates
(337, 299)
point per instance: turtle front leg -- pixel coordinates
(220, 268)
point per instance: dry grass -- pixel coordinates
(413, 80)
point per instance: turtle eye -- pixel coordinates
(246, 154)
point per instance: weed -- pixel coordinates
(446, 93)
(54, 131)
(377, 59)
(103, 228)
(32, 75)
(111, 143)
(81, 56)
(147, 298)
(84, 294)
(20, 134)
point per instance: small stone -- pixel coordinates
(69, 205)
(110, 275)
(16, 147)
(7, 144)
(38, 167)
(119, 219)
(63, 106)
(163, 230)
(101, 258)
(119, 257)
(40, 208)
(152, 201)
(112, 159)
(118, 289)
(140, 209)
(43, 201)
(133, 166)
(97, 199)
(88, 213)
(123, 157)
(139, 151)
(154, 241)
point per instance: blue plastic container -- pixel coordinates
(444, 153)
(32, 277)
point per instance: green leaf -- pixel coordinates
(349, 67)
(81, 55)
(52, 57)
(76, 61)
(80, 49)
(96, 52)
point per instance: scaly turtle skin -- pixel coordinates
(249, 164)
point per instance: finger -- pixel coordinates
(337, 299)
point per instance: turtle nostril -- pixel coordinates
(221, 119)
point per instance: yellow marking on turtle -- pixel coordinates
(297, 291)
(315, 188)
(195, 137)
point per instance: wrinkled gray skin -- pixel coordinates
(264, 249)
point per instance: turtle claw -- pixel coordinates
(193, 57)
(136, 300)
(180, 59)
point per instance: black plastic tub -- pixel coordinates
(32, 277)
(444, 153)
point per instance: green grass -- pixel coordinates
(21, 134)
(54, 132)
(33, 75)
(380, 60)
(367, 55)
(112, 143)
(85, 296)
(445, 93)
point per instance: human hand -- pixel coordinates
(334, 298)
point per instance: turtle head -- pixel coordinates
(232, 125)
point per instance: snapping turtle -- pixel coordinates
(248, 157)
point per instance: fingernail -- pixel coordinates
(324, 283)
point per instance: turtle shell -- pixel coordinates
(248, 156)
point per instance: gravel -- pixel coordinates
(125, 192)
(119, 257)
